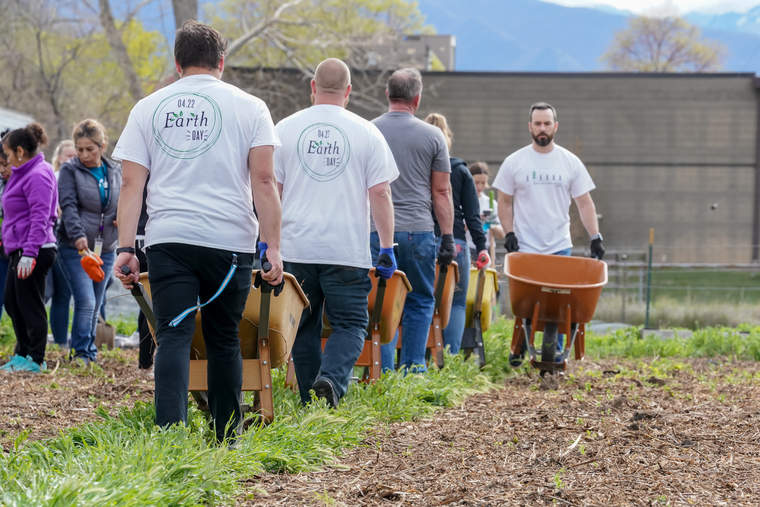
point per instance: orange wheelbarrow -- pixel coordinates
(554, 294)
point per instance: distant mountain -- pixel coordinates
(531, 35)
(747, 22)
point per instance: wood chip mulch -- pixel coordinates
(67, 395)
(608, 433)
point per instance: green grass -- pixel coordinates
(124, 459)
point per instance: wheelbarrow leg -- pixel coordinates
(267, 403)
(580, 342)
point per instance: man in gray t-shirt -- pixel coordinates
(422, 157)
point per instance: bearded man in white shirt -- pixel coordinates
(536, 184)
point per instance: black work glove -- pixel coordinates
(265, 286)
(510, 242)
(597, 249)
(447, 250)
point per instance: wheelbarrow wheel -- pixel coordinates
(549, 343)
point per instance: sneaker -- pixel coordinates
(11, 365)
(30, 365)
(323, 389)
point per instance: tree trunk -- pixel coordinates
(119, 50)
(184, 10)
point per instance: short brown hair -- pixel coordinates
(478, 168)
(92, 130)
(541, 106)
(198, 45)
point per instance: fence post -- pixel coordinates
(621, 284)
(649, 277)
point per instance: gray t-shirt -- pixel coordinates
(419, 148)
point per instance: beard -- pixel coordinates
(543, 139)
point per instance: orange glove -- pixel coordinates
(483, 259)
(91, 263)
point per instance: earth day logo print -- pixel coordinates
(324, 151)
(186, 125)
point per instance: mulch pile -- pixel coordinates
(680, 436)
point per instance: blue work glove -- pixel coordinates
(386, 263)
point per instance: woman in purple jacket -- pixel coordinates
(29, 212)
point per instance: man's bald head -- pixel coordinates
(332, 76)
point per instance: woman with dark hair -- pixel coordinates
(466, 217)
(29, 213)
(89, 187)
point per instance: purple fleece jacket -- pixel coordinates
(30, 204)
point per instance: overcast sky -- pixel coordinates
(681, 6)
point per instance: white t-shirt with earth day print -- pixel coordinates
(194, 137)
(541, 185)
(329, 160)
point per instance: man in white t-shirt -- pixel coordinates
(208, 147)
(536, 184)
(333, 168)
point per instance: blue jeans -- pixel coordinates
(59, 304)
(88, 297)
(4, 261)
(416, 258)
(343, 292)
(452, 334)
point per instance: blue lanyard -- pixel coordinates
(179, 318)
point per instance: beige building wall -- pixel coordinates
(676, 152)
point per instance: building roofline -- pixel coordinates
(592, 74)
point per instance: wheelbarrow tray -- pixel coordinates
(284, 317)
(557, 283)
(490, 291)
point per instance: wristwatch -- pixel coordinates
(125, 249)
(598, 235)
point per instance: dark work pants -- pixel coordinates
(25, 303)
(343, 291)
(180, 274)
(147, 347)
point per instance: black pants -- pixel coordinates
(25, 303)
(179, 275)
(147, 347)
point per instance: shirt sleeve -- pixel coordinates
(381, 166)
(279, 155)
(582, 182)
(441, 162)
(132, 145)
(504, 180)
(264, 133)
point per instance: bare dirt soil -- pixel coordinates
(608, 433)
(67, 395)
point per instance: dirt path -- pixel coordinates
(610, 433)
